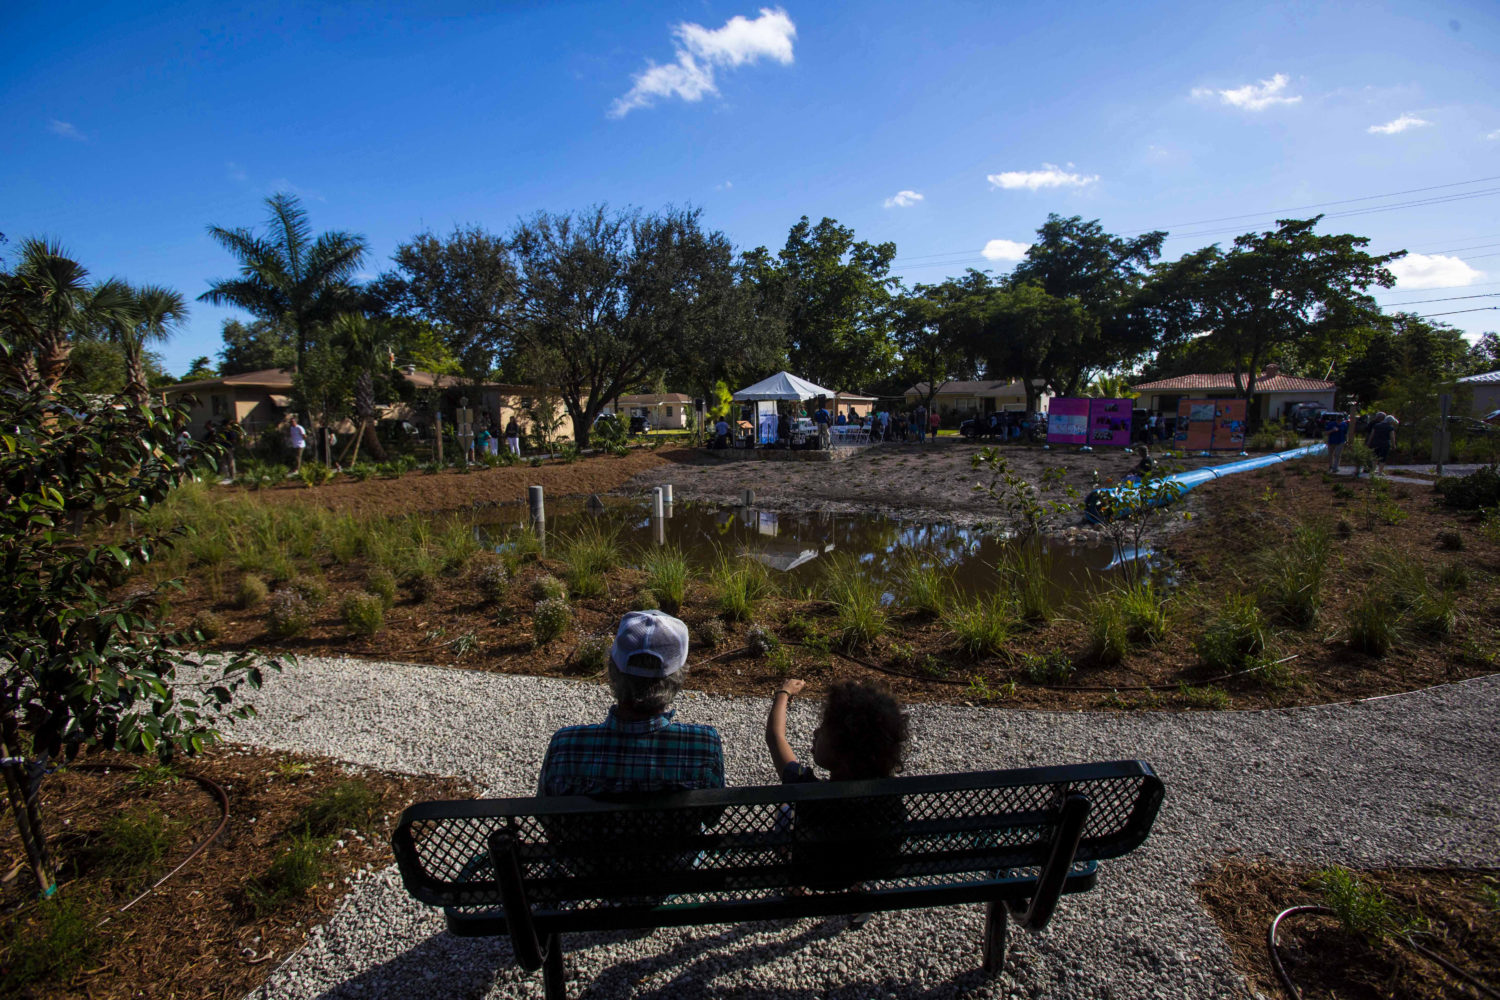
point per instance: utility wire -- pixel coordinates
(1450, 298)
(1455, 312)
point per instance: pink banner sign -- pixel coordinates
(1068, 421)
(1109, 422)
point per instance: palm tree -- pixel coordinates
(1110, 387)
(154, 313)
(52, 296)
(287, 275)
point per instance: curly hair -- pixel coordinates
(866, 728)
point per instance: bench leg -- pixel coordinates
(996, 929)
(554, 979)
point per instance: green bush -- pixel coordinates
(1235, 632)
(548, 586)
(311, 589)
(1477, 490)
(645, 600)
(422, 583)
(981, 626)
(1291, 588)
(592, 653)
(1365, 911)
(491, 580)
(208, 625)
(363, 614)
(550, 619)
(252, 593)
(1373, 623)
(711, 633)
(1052, 667)
(287, 614)
(924, 585)
(667, 575)
(348, 805)
(382, 583)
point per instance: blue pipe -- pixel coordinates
(1097, 505)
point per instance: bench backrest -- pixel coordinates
(916, 830)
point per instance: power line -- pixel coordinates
(1455, 312)
(1451, 298)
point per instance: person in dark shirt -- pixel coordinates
(1382, 438)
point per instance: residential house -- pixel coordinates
(1486, 392)
(664, 411)
(1275, 394)
(956, 400)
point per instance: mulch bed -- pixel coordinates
(1454, 912)
(1216, 554)
(198, 935)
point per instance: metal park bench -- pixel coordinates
(537, 868)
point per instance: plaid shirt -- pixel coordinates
(657, 754)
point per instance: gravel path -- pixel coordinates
(1410, 778)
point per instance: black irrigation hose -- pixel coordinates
(1295, 994)
(207, 783)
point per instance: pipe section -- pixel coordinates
(1098, 504)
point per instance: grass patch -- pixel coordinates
(667, 575)
(349, 805)
(1235, 632)
(131, 842)
(1027, 572)
(1372, 624)
(924, 585)
(290, 877)
(53, 943)
(858, 603)
(590, 554)
(1292, 576)
(1210, 697)
(982, 626)
(742, 584)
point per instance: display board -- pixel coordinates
(1109, 422)
(1068, 421)
(1211, 424)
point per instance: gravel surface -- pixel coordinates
(1410, 778)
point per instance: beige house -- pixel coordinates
(1275, 394)
(664, 411)
(964, 399)
(262, 400)
(1486, 392)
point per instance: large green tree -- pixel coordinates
(608, 299)
(929, 324)
(1285, 289)
(255, 346)
(835, 292)
(289, 275)
(461, 286)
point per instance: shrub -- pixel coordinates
(760, 640)
(1450, 540)
(382, 583)
(1051, 667)
(711, 633)
(645, 600)
(208, 625)
(550, 619)
(363, 614)
(423, 584)
(1373, 623)
(1235, 632)
(1479, 489)
(742, 583)
(548, 586)
(287, 614)
(980, 627)
(781, 662)
(252, 593)
(311, 589)
(1291, 588)
(348, 805)
(667, 574)
(491, 580)
(592, 653)
(857, 599)
(1365, 911)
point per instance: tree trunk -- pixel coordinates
(53, 351)
(135, 381)
(23, 805)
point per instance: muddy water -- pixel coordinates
(798, 548)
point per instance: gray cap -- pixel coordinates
(655, 633)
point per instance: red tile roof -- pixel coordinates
(1224, 380)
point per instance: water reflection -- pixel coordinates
(798, 546)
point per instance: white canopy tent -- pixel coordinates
(782, 387)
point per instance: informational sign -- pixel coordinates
(1068, 421)
(1211, 424)
(1109, 422)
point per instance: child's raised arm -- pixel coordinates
(781, 750)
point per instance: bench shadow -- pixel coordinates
(465, 967)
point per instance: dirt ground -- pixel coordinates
(202, 932)
(1452, 912)
(927, 481)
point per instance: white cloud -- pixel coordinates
(1418, 270)
(726, 186)
(66, 130)
(1494, 135)
(1049, 176)
(701, 50)
(236, 172)
(1005, 250)
(1253, 96)
(903, 199)
(1398, 125)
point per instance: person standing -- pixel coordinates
(933, 422)
(231, 438)
(296, 439)
(820, 418)
(513, 436)
(1382, 438)
(1338, 435)
(919, 422)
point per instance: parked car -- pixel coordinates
(640, 425)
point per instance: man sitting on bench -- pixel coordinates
(639, 747)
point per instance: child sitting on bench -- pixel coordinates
(862, 736)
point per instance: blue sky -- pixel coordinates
(950, 129)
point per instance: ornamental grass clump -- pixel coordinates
(1292, 577)
(550, 619)
(924, 585)
(382, 583)
(1109, 638)
(363, 614)
(981, 626)
(1143, 611)
(742, 584)
(1235, 632)
(667, 576)
(589, 555)
(1026, 569)
(287, 614)
(858, 600)
(1372, 624)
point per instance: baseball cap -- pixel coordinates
(655, 633)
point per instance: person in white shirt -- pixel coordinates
(296, 437)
